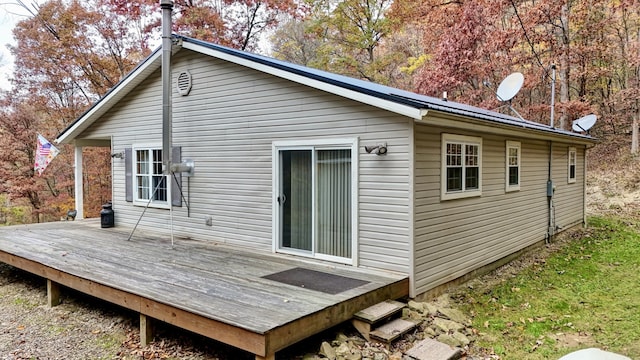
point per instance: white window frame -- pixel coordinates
(463, 140)
(572, 155)
(316, 144)
(134, 172)
(513, 145)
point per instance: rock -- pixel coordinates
(447, 325)
(430, 332)
(367, 353)
(345, 352)
(380, 356)
(430, 309)
(327, 351)
(412, 315)
(396, 356)
(405, 312)
(455, 315)
(593, 354)
(311, 357)
(449, 340)
(417, 306)
(464, 340)
(429, 349)
(443, 300)
(356, 341)
(341, 338)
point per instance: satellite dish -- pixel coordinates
(584, 123)
(510, 86)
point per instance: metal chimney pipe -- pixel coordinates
(167, 8)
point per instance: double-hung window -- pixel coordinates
(513, 166)
(149, 181)
(461, 166)
(572, 165)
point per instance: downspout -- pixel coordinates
(167, 7)
(550, 193)
(584, 189)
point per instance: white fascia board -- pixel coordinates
(109, 100)
(394, 107)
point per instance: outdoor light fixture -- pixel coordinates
(379, 149)
(119, 155)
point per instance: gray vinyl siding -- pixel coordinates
(227, 125)
(454, 237)
(568, 197)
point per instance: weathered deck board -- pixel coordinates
(194, 284)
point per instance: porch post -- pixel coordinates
(79, 190)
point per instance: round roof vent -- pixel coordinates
(184, 83)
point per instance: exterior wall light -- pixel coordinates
(379, 149)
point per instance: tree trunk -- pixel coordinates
(564, 63)
(634, 131)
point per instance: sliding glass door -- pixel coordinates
(315, 201)
(295, 199)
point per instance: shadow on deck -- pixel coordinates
(234, 296)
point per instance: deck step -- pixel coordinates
(392, 330)
(429, 349)
(380, 311)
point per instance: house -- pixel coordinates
(305, 163)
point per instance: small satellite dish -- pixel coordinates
(584, 123)
(510, 86)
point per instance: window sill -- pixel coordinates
(512, 188)
(153, 204)
(460, 195)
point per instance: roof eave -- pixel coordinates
(399, 106)
(524, 130)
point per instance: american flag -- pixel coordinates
(45, 152)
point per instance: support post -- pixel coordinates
(268, 357)
(79, 185)
(146, 330)
(53, 293)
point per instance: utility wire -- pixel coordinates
(526, 35)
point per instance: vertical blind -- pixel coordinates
(334, 202)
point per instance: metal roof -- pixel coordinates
(328, 82)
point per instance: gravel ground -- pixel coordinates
(82, 327)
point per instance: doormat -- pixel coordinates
(316, 280)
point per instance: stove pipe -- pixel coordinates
(167, 7)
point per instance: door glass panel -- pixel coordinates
(334, 202)
(296, 199)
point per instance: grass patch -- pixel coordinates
(110, 342)
(585, 295)
(24, 303)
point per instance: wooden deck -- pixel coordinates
(209, 289)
